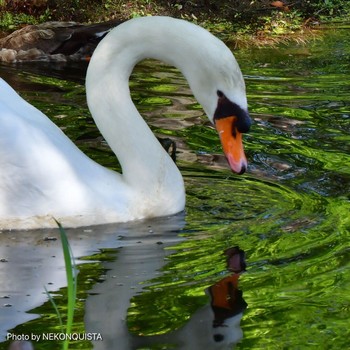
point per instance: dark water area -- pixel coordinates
(289, 213)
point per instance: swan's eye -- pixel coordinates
(218, 338)
(220, 93)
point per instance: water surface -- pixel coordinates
(289, 212)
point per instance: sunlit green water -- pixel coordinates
(290, 212)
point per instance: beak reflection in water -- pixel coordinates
(227, 301)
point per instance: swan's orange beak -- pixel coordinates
(231, 140)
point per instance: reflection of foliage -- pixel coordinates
(170, 308)
(301, 277)
(179, 292)
(297, 261)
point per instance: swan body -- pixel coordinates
(44, 175)
(54, 41)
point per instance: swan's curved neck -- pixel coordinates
(142, 158)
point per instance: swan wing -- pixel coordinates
(42, 170)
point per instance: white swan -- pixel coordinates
(44, 175)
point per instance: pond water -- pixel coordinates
(289, 213)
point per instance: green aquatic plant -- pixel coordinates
(71, 286)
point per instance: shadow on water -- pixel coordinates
(289, 213)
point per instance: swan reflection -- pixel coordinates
(227, 301)
(214, 326)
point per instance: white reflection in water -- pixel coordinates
(34, 259)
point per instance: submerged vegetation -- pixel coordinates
(261, 20)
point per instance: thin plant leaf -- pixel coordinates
(71, 280)
(55, 307)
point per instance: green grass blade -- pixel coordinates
(55, 307)
(71, 281)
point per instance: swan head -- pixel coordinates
(231, 121)
(219, 87)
